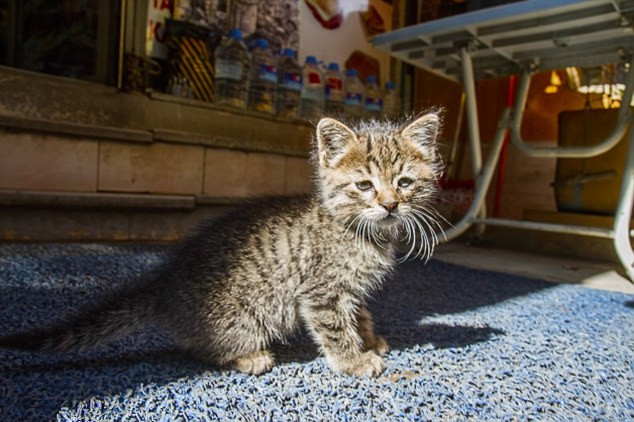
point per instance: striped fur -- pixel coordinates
(255, 275)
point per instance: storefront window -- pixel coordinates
(71, 38)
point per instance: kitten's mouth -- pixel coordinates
(389, 220)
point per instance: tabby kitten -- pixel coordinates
(254, 276)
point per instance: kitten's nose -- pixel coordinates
(389, 206)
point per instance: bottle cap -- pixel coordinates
(289, 52)
(352, 73)
(390, 85)
(235, 33)
(371, 79)
(261, 43)
(333, 66)
(311, 59)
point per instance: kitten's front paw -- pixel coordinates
(369, 364)
(254, 363)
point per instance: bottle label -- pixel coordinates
(268, 73)
(314, 78)
(228, 69)
(333, 85)
(292, 80)
(353, 99)
(312, 94)
(373, 104)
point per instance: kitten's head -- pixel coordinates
(378, 178)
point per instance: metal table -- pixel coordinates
(523, 38)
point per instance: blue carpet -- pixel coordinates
(466, 345)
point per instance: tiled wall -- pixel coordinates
(42, 162)
(35, 161)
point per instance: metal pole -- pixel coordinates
(122, 35)
(548, 227)
(473, 125)
(472, 111)
(624, 211)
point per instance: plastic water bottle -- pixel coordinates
(391, 100)
(334, 89)
(289, 84)
(176, 86)
(312, 97)
(263, 78)
(232, 71)
(373, 98)
(355, 92)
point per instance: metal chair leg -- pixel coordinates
(623, 215)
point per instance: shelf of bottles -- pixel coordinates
(258, 80)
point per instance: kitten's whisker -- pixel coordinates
(376, 236)
(434, 212)
(435, 215)
(412, 229)
(365, 234)
(431, 243)
(350, 225)
(422, 216)
(359, 233)
(410, 236)
(431, 214)
(424, 243)
(428, 220)
(372, 238)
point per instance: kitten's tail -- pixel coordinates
(117, 316)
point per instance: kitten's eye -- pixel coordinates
(404, 182)
(364, 185)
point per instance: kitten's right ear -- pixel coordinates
(333, 141)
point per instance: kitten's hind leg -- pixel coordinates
(254, 363)
(365, 327)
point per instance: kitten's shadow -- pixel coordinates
(419, 291)
(301, 348)
(443, 336)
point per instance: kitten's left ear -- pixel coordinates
(333, 141)
(423, 132)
